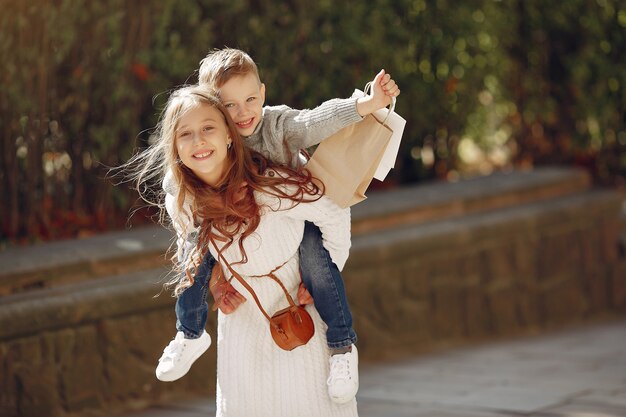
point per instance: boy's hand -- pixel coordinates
(383, 89)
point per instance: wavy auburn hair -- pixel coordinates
(227, 210)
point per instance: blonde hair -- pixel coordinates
(220, 65)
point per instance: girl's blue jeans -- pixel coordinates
(319, 274)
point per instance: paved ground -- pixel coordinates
(576, 373)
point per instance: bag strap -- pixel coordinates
(249, 288)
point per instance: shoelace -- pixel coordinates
(172, 350)
(339, 369)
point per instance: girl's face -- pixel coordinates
(202, 139)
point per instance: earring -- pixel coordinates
(228, 146)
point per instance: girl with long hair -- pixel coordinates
(251, 212)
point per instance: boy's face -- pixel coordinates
(243, 96)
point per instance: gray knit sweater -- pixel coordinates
(299, 129)
(279, 136)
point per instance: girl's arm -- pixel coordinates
(333, 222)
(183, 226)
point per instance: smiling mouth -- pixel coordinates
(203, 155)
(245, 124)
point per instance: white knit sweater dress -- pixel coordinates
(255, 378)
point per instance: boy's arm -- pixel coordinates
(302, 129)
(305, 128)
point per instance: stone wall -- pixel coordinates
(431, 266)
(529, 267)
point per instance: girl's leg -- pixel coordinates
(323, 280)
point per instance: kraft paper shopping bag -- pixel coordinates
(396, 123)
(347, 161)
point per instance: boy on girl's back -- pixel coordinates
(278, 132)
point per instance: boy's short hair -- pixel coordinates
(220, 65)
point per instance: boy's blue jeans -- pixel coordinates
(319, 274)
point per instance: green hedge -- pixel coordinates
(485, 84)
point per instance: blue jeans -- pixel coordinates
(191, 305)
(323, 280)
(319, 274)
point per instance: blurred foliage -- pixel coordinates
(568, 82)
(486, 85)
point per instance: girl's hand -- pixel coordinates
(226, 297)
(304, 296)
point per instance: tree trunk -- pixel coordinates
(519, 55)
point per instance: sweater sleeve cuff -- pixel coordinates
(347, 112)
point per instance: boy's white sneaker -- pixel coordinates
(179, 355)
(343, 381)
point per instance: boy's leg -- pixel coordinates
(323, 280)
(191, 305)
(191, 340)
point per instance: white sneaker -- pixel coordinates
(179, 355)
(343, 382)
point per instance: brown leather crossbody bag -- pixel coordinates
(290, 327)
